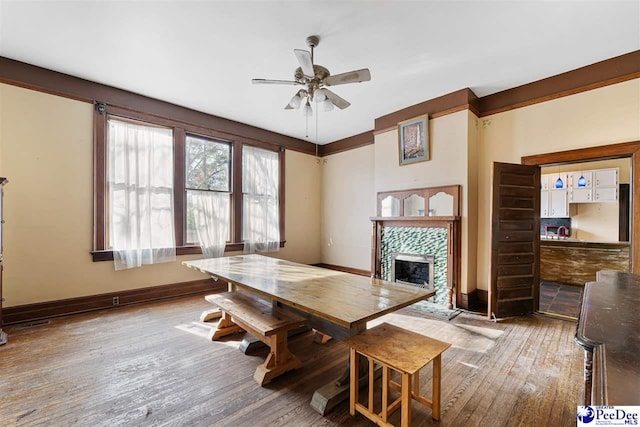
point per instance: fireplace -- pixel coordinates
(413, 269)
(432, 241)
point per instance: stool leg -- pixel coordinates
(435, 399)
(416, 383)
(372, 379)
(385, 393)
(405, 418)
(353, 383)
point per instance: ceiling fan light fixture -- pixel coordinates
(295, 101)
(327, 104)
(308, 112)
(319, 95)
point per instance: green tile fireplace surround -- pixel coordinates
(417, 241)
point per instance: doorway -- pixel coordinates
(584, 228)
(561, 296)
(526, 264)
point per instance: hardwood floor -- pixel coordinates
(152, 365)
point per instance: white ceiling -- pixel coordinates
(203, 55)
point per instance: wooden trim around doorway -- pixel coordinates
(627, 149)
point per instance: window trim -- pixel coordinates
(180, 131)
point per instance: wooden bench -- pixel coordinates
(402, 351)
(241, 312)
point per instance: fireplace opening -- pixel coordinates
(413, 269)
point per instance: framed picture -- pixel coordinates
(413, 140)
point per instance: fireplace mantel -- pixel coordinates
(451, 223)
(408, 221)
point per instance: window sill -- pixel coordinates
(107, 255)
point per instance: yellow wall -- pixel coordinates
(352, 179)
(303, 208)
(603, 116)
(349, 200)
(449, 164)
(46, 145)
(46, 152)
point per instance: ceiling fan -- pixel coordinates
(315, 79)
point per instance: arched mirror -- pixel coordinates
(441, 204)
(390, 206)
(414, 205)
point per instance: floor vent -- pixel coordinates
(32, 324)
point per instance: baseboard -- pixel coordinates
(473, 299)
(49, 309)
(483, 296)
(366, 273)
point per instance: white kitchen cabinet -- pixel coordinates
(544, 182)
(544, 204)
(605, 195)
(548, 181)
(554, 204)
(606, 178)
(558, 204)
(581, 195)
(601, 186)
(575, 179)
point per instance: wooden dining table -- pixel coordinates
(336, 303)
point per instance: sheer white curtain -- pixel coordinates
(141, 224)
(211, 220)
(260, 214)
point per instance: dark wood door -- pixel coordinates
(515, 237)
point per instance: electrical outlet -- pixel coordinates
(116, 300)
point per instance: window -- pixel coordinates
(140, 188)
(260, 199)
(205, 174)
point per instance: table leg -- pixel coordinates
(332, 394)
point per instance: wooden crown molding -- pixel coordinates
(614, 70)
(455, 101)
(350, 143)
(41, 79)
(611, 71)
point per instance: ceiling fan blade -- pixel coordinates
(337, 101)
(350, 77)
(304, 58)
(273, 82)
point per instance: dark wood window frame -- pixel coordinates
(180, 132)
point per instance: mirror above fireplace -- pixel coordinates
(420, 202)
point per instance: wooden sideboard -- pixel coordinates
(609, 333)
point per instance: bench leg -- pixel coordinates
(209, 315)
(224, 327)
(279, 360)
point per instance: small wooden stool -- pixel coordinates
(400, 350)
